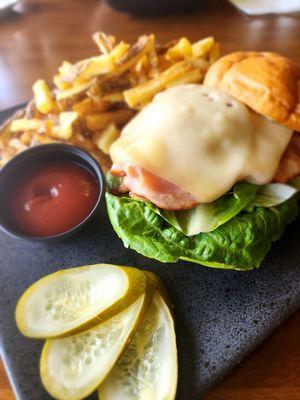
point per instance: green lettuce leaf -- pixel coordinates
(241, 243)
(208, 216)
(273, 194)
(113, 182)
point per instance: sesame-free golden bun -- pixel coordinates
(266, 82)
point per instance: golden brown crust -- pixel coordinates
(266, 82)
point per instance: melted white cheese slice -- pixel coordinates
(203, 140)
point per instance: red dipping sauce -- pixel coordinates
(52, 198)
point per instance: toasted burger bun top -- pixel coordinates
(266, 82)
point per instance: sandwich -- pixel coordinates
(210, 173)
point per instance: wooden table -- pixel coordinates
(35, 41)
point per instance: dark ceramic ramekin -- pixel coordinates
(38, 155)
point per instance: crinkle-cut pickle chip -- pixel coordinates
(147, 369)
(71, 368)
(72, 300)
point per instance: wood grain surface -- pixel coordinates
(42, 33)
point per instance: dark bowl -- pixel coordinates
(153, 7)
(42, 154)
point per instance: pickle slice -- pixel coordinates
(72, 300)
(147, 369)
(158, 285)
(71, 368)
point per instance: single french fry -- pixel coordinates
(146, 91)
(42, 97)
(106, 138)
(22, 124)
(115, 84)
(88, 69)
(66, 123)
(194, 76)
(83, 107)
(203, 47)
(97, 122)
(105, 42)
(181, 50)
(72, 92)
(119, 51)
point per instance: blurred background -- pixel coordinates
(37, 35)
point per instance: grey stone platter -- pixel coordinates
(221, 316)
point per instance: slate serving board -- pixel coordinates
(221, 316)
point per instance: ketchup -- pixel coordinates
(52, 198)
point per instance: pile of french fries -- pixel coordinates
(94, 98)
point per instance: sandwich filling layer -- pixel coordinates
(192, 144)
